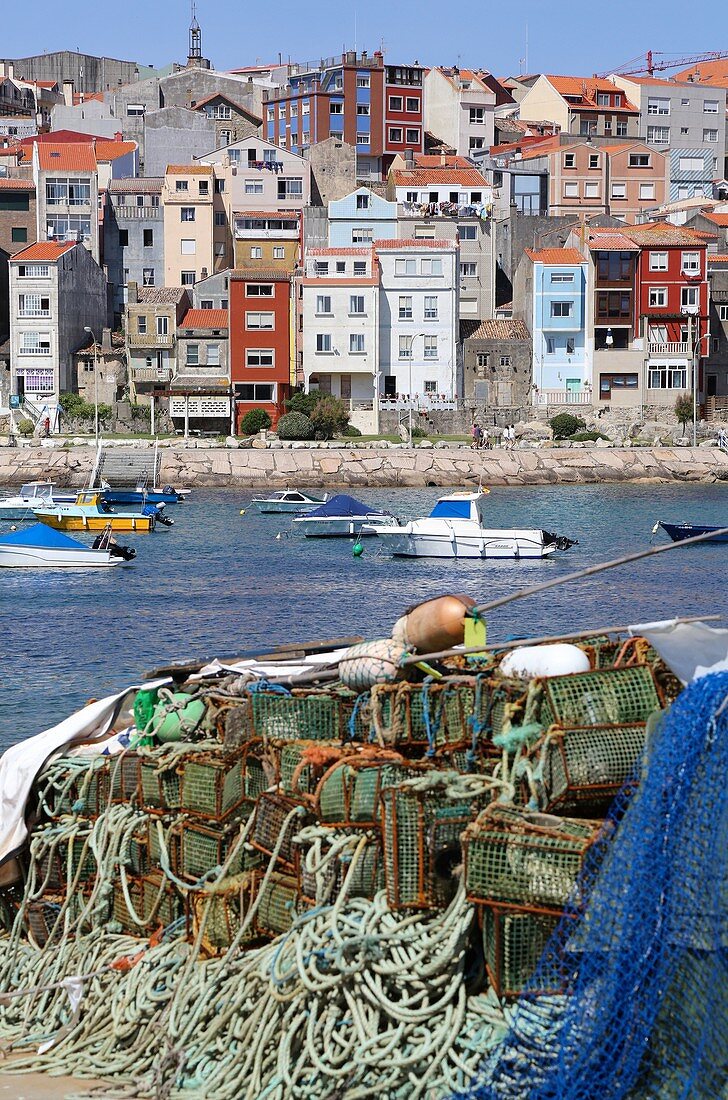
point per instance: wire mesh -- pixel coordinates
(211, 786)
(299, 715)
(607, 697)
(271, 812)
(586, 768)
(513, 942)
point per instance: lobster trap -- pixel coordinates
(276, 824)
(303, 763)
(159, 785)
(125, 778)
(211, 786)
(427, 716)
(203, 847)
(217, 917)
(73, 785)
(278, 904)
(526, 859)
(513, 943)
(284, 716)
(261, 767)
(66, 859)
(349, 793)
(323, 863)
(584, 769)
(606, 697)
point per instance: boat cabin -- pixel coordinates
(36, 490)
(461, 506)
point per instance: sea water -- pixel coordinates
(220, 583)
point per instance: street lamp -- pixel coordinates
(96, 383)
(412, 340)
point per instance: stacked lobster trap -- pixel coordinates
(239, 806)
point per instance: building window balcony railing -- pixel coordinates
(34, 313)
(149, 340)
(37, 350)
(669, 348)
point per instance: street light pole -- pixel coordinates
(96, 383)
(412, 340)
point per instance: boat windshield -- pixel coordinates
(34, 489)
(451, 509)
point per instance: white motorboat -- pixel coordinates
(42, 547)
(34, 494)
(343, 517)
(456, 528)
(288, 501)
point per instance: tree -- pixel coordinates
(329, 417)
(254, 421)
(684, 409)
(294, 425)
(565, 425)
(303, 402)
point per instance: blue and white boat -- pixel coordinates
(142, 495)
(680, 531)
(288, 500)
(343, 517)
(43, 547)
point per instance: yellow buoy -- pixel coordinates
(242, 511)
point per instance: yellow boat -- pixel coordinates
(90, 512)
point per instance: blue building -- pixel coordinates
(553, 282)
(360, 218)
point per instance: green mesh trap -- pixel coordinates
(125, 778)
(607, 697)
(211, 786)
(513, 942)
(298, 777)
(301, 715)
(203, 847)
(585, 768)
(271, 814)
(326, 879)
(159, 907)
(160, 789)
(278, 905)
(349, 793)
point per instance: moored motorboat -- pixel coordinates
(42, 547)
(456, 528)
(680, 531)
(90, 512)
(288, 501)
(142, 495)
(343, 517)
(34, 494)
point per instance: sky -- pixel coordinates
(578, 39)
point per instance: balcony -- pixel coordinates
(682, 349)
(452, 210)
(35, 350)
(242, 234)
(149, 213)
(151, 374)
(34, 313)
(426, 402)
(149, 340)
(562, 397)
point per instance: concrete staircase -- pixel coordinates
(126, 469)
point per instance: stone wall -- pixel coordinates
(357, 466)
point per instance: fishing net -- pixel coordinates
(638, 977)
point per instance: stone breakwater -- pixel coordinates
(359, 467)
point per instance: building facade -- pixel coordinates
(187, 197)
(459, 109)
(200, 387)
(267, 240)
(262, 364)
(360, 218)
(18, 216)
(133, 233)
(67, 193)
(585, 106)
(152, 317)
(497, 357)
(716, 364)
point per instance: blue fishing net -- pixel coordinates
(630, 999)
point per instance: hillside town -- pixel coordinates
(186, 245)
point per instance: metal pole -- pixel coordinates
(410, 391)
(187, 416)
(695, 350)
(96, 392)
(153, 425)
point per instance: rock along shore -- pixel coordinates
(368, 466)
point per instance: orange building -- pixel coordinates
(261, 341)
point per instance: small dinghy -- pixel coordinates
(42, 547)
(288, 500)
(680, 531)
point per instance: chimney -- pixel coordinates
(106, 339)
(11, 69)
(132, 293)
(409, 158)
(443, 159)
(118, 136)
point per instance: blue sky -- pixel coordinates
(574, 38)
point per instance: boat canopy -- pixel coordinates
(447, 508)
(343, 505)
(40, 536)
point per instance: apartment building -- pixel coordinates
(189, 223)
(18, 217)
(262, 363)
(687, 122)
(199, 392)
(152, 317)
(361, 218)
(585, 106)
(133, 234)
(459, 108)
(377, 108)
(56, 289)
(716, 363)
(269, 240)
(257, 174)
(497, 356)
(67, 193)
(233, 120)
(339, 317)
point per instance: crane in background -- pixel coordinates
(651, 66)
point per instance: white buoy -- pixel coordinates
(279, 535)
(559, 659)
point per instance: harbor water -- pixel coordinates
(224, 584)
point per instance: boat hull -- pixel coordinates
(32, 557)
(333, 528)
(680, 531)
(135, 496)
(285, 507)
(490, 545)
(65, 522)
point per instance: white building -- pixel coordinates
(459, 109)
(418, 320)
(67, 190)
(257, 175)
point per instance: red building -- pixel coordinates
(672, 285)
(261, 351)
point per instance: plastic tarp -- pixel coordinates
(451, 509)
(343, 505)
(42, 536)
(691, 650)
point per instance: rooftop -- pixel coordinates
(344, 251)
(135, 184)
(497, 330)
(587, 89)
(609, 240)
(205, 318)
(417, 177)
(707, 72)
(555, 256)
(187, 169)
(10, 184)
(66, 157)
(112, 150)
(260, 275)
(717, 219)
(664, 233)
(159, 295)
(47, 251)
(720, 258)
(449, 246)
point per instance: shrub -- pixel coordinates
(74, 406)
(683, 409)
(350, 431)
(587, 437)
(329, 417)
(254, 421)
(294, 425)
(71, 403)
(141, 412)
(565, 424)
(303, 402)
(26, 427)
(418, 433)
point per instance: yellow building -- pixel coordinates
(188, 198)
(268, 240)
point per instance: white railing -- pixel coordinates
(562, 397)
(403, 402)
(149, 339)
(34, 351)
(34, 313)
(669, 349)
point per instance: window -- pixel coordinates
(658, 106)
(188, 278)
(148, 238)
(405, 308)
(482, 358)
(187, 246)
(290, 188)
(362, 138)
(282, 110)
(219, 218)
(279, 252)
(362, 235)
(253, 187)
(594, 160)
(323, 305)
(657, 298)
(413, 137)
(213, 355)
(181, 185)
(431, 267)
(684, 102)
(142, 326)
(362, 82)
(505, 360)
(476, 143)
(431, 307)
(207, 303)
(468, 270)
(689, 297)
(362, 108)
(35, 343)
(562, 277)
(257, 391)
(162, 326)
(550, 345)
(667, 378)
(412, 104)
(468, 232)
(321, 267)
(430, 386)
(569, 346)
(591, 189)
(569, 160)
(155, 200)
(619, 190)
(477, 116)
(425, 232)
(256, 252)
(571, 190)
(658, 261)
(684, 131)
(362, 202)
(622, 128)
(135, 109)
(405, 347)
(337, 108)
(305, 107)
(430, 347)
(193, 355)
(259, 357)
(710, 106)
(34, 305)
(647, 191)
(187, 213)
(395, 133)
(33, 271)
(692, 164)
(360, 267)
(405, 267)
(561, 309)
(123, 238)
(341, 267)
(323, 342)
(710, 135)
(602, 99)
(639, 160)
(259, 320)
(148, 276)
(356, 343)
(691, 262)
(723, 313)
(356, 303)
(395, 103)
(19, 234)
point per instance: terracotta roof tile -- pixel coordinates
(261, 275)
(205, 318)
(434, 160)
(707, 72)
(47, 251)
(133, 184)
(187, 169)
(664, 233)
(112, 150)
(338, 251)
(587, 89)
(610, 241)
(448, 246)
(556, 256)
(418, 177)
(717, 219)
(10, 184)
(66, 157)
(159, 295)
(503, 329)
(717, 258)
